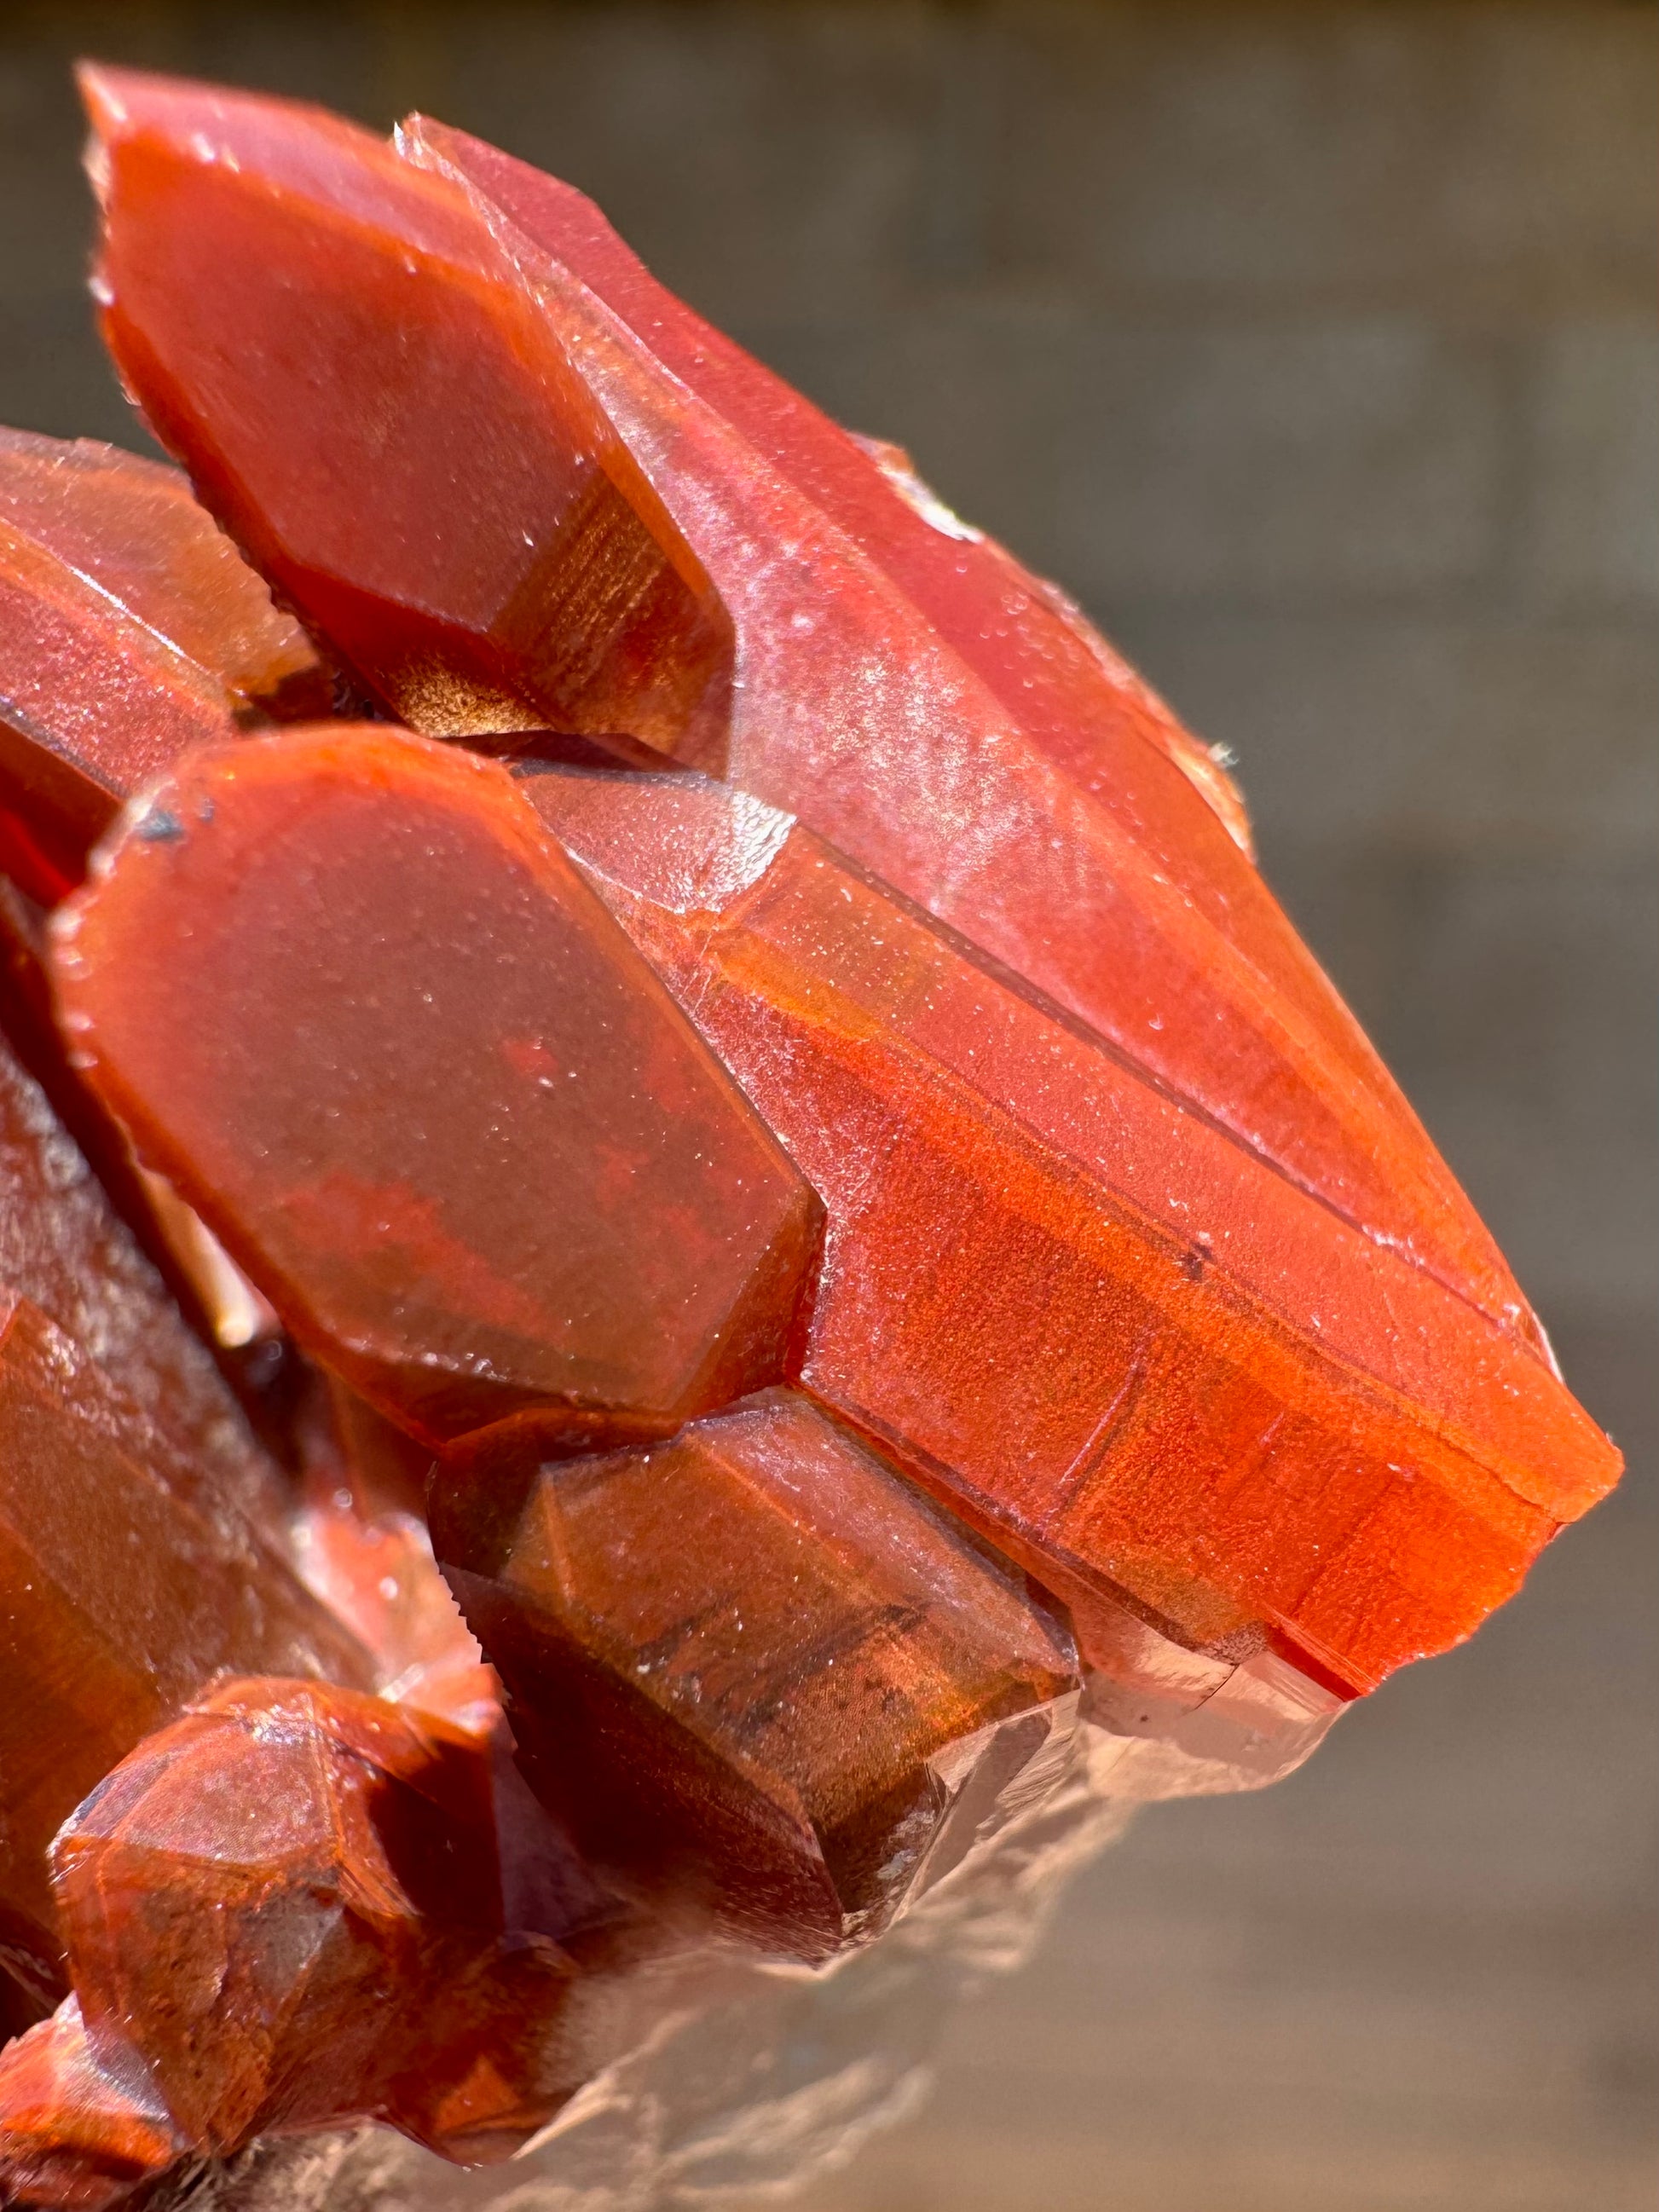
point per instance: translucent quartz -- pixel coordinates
(346, 1441)
(75, 2134)
(753, 1647)
(885, 1145)
(563, 596)
(1021, 787)
(288, 1906)
(1145, 1362)
(119, 1599)
(376, 1573)
(754, 2074)
(63, 1246)
(956, 726)
(129, 629)
(491, 1174)
(215, 1298)
(1025, 640)
(1200, 1730)
(361, 1546)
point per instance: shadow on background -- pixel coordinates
(1311, 347)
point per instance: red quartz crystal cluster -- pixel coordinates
(679, 1038)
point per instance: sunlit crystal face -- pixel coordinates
(741, 1096)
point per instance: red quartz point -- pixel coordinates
(1023, 637)
(956, 727)
(555, 593)
(288, 1907)
(74, 2134)
(755, 1650)
(117, 1600)
(129, 629)
(850, 1298)
(491, 1173)
(906, 691)
(143, 1535)
(1147, 1366)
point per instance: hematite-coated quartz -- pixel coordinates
(141, 1546)
(118, 1599)
(1164, 1419)
(493, 1174)
(129, 630)
(755, 1646)
(773, 1135)
(288, 1906)
(565, 597)
(1019, 785)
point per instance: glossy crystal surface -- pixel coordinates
(1208, 1398)
(493, 1174)
(74, 2133)
(563, 596)
(755, 1648)
(129, 629)
(955, 726)
(142, 1547)
(288, 1906)
(828, 1298)
(1021, 787)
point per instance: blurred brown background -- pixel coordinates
(1311, 347)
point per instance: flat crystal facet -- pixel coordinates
(74, 2134)
(1110, 1367)
(1029, 642)
(214, 1299)
(749, 1649)
(129, 629)
(288, 1906)
(565, 597)
(956, 729)
(65, 1247)
(493, 1174)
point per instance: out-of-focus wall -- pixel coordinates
(1311, 346)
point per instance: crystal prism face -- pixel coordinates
(567, 599)
(753, 1648)
(129, 630)
(828, 1299)
(1160, 1420)
(119, 1600)
(73, 2133)
(492, 1174)
(66, 1248)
